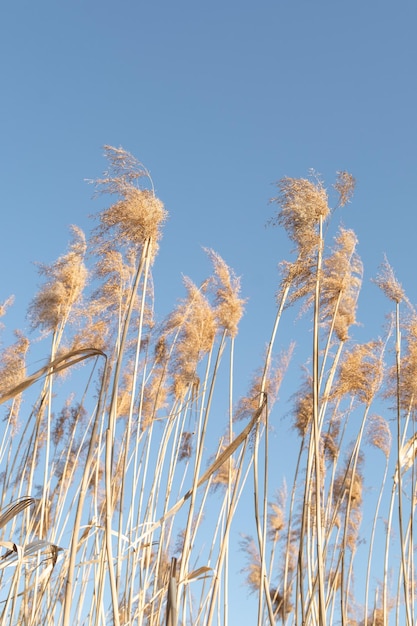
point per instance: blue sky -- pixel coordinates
(219, 100)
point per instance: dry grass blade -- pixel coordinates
(198, 573)
(232, 447)
(408, 454)
(31, 549)
(60, 363)
(171, 609)
(14, 553)
(14, 508)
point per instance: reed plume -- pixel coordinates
(65, 281)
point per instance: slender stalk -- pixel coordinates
(406, 587)
(80, 505)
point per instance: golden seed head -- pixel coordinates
(5, 305)
(253, 567)
(226, 287)
(276, 516)
(340, 284)
(66, 279)
(194, 326)
(345, 186)
(138, 216)
(388, 283)
(379, 434)
(361, 372)
(302, 204)
(13, 363)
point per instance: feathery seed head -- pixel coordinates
(302, 204)
(66, 279)
(349, 484)
(303, 407)
(251, 403)
(276, 516)
(345, 186)
(5, 305)
(388, 283)
(275, 520)
(186, 446)
(13, 363)
(253, 567)
(340, 285)
(408, 379)
(300, 276)
(376, 618)
(138, 216)
(226, 287)
(330, 446)
(154, 396)
(194, 323)
(361, 372)
(379, 434)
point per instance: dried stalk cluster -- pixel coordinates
(124, 458)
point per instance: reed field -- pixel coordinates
(116, 506)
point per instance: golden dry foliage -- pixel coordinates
(275, 520)
(379, 434)
(195, 323)
(65, 281)
(408, 377)
(276, 516)
(116, 278)
(302, 204)
(341, 283)
(135, 218)
(110, 300)
(5, 305)
(250, 403)
(330, 445)
(226, 286)
(124, 396)
(299, 275)
(124, 170)
(69, 416)
(303, 408)
(13, 363)
(388, 283)
(93, 333)
(253, 567)
(345, 186)
(361, 372)
(138, 215)
(154, 397)
(376, 618)
(13, 371)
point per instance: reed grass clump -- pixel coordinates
(138, 477)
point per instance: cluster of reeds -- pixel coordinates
(115, 506)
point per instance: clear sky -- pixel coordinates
(219, 100)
